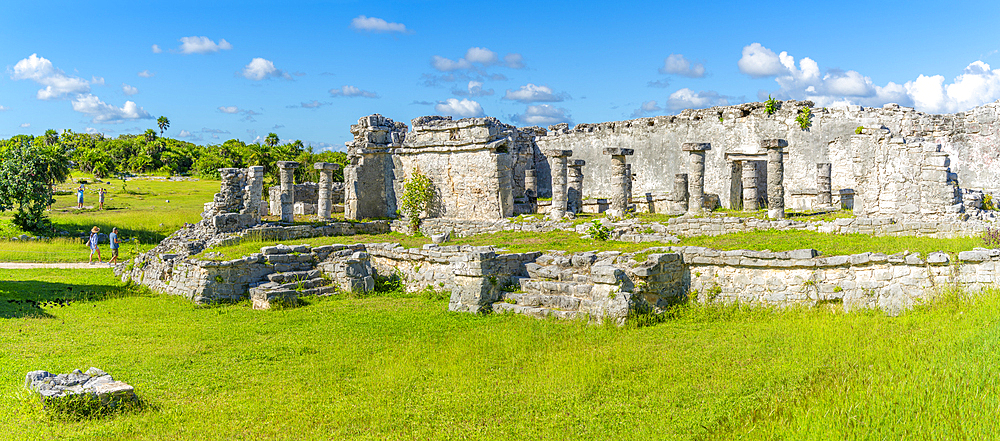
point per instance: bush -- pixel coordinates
(771, 105)
(418, 192)
(991, 237)
(598, 231)
(988, 203)
(804, 118)
(24, 185)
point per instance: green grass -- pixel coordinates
(404, 368)
(832, 244)
(520, 242)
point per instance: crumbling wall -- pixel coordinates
(369, 192)
(971, 139)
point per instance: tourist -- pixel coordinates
(113, 239)
(100, 198)
(92, 243)
(79, 197)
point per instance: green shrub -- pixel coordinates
(804, 118)
(988, 203)
(598, 231)
(858, 130)
(771, 105)
(418, 192)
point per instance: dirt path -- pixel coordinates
(33, 265)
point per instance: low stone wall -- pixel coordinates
(279, 232)
(941, 228)
(465, 228)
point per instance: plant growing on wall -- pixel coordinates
(771, 105)
(418, 192)
(991, 237)
(857, 131)
(804, 118)
(988, 203)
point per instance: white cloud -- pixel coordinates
(190, 136)
(351, 91)
(543, 115)
(260, 69)
(97, 80)
(514, 61)
(200, 45)
(372, 24)
(229, 109)
(208, 130)
(531, 93)
(759, 61)
(480, 56)
(25, 125)
(57, 83)
(475, 88)
(646, 108)
(678, 65)
(156, 49)
(184, 134)
(311, 105)
(688, 99)
(978, 84)
(129, 90)
(2, 108)
(147, 74)
(105, 113)
(463, 108)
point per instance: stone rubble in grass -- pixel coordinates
(95, 383)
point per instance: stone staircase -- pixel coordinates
(286, 287)
(544, 298)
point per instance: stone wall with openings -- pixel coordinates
(971, 140)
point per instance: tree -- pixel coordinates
(271, 140)
(149, 135)
(163, 123)
(51, 137)
(23, 175)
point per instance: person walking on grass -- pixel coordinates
(92, 243)
(79, 197)
(115, 243)
(100, 198)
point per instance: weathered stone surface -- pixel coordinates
(696, 177)
(775, 178)
(94, 383)
(695, 146)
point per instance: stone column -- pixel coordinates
(324, 204)
(824, 198)
(574, 186)
(558, 166)
(254, 192)
(775, 177)
(618, 204)
(286, 171)
(680, 192)
(696, 176)
(749, 174)
(530, 186)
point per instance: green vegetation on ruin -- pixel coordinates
(405, 368)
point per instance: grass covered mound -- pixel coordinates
(393, 367)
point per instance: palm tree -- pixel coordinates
(150, 135)
(51, 137)
(163, 123)
(271, 140)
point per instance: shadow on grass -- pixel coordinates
(30, 298)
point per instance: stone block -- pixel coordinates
(617, 151)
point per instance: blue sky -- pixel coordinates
(307, 70)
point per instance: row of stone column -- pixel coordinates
(695, 180)
(286, 174)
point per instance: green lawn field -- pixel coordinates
(394, 367)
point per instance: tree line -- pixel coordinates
(31, 165)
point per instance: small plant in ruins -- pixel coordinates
(858, 130)
(598, 231)
(804, 118)
(418, 192)
(991, 237)
(771, 105)
(988, 203)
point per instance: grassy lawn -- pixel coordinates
(405, 368)
(142, 212)
(518, 242)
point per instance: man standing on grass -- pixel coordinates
(92, 243)
(113, 238)
(79, 197)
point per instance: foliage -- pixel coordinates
(804, 118)
(27, 171)
(858, 130)
(988, 203)
(418, 193)
(598, 231)
(991, 237)
(771, 105)
(162, 122)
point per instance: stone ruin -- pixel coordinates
(899, 170)
(94, 383)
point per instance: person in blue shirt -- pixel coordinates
(92, 243)
(115, 243)
(79, 197)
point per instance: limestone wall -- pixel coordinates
(971, 139)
